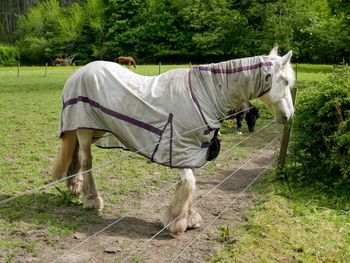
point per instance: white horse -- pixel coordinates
(99, 98)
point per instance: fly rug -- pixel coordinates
(170, 119)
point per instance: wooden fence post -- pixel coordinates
(285, 137)
(45, 69)
(18, 65)
(160, 63)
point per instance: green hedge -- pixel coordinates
(9, 55)
(320, 144)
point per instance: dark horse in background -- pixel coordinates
(126, 61)
(245, 111)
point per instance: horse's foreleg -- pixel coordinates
(180, 215)
(90, 196)
(239, 119)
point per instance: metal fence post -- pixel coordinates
(45, 69)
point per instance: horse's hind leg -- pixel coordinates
(89, 194)
(180, 215)
(75, 183)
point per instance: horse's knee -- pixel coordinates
(188, 177)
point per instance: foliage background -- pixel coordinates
(177, 31)
(320, 146)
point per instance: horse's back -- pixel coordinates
(106, 74)
(110, 83)
(100, 74)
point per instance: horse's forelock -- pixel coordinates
(288, 74)
(287, 70)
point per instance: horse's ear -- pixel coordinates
(286, 58)
(274, 52)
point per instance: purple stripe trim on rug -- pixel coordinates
(234, 70)
(112, 113)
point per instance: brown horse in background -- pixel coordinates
(125, 61)
(60, 62)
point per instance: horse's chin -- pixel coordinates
(281, 119)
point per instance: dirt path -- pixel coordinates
(125, 240)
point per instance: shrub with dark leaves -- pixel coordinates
(320, 144)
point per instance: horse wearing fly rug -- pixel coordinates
(170, 119)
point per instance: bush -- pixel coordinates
(32, 49)
(9, 55)
(320, 145)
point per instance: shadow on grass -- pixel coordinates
(64, 217)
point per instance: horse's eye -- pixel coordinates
(268, 78)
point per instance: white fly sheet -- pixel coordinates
(168, 118)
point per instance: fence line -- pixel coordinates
(102, 165)
(128, 213)
(201, 198)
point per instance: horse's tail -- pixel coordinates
(65, 155)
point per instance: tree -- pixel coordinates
(49, 30)
(122, 22)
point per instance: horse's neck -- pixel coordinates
(228, 84)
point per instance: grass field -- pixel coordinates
(288, 222)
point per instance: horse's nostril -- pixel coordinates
(281, 119)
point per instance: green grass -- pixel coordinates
(290, 224)
(30, 107)
(307, 73)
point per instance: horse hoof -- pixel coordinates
(178, 226)
(93, 202)
(194, 219)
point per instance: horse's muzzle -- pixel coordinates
(281, 119)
